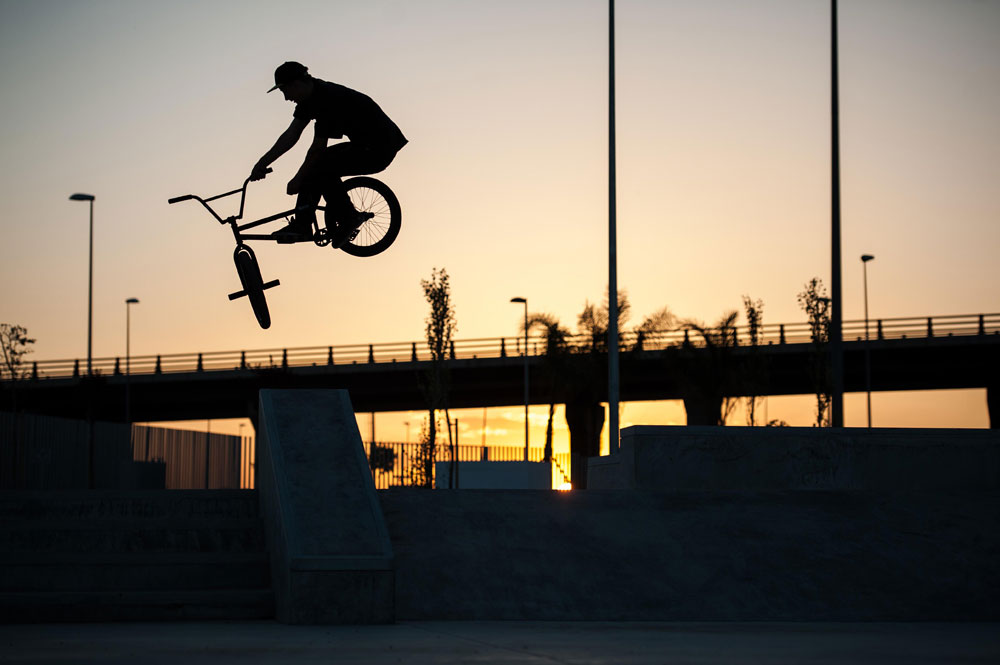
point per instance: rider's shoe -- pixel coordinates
(348, 230)
(294, 232)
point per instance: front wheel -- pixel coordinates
(372, 198)
(253, 284)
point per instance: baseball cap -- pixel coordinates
(288, 72)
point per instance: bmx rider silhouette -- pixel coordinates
(338, 111)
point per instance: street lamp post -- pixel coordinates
(525, 301)
(90, 279)
(837, 316)
(128, 355)
(865, 258)
(613, 368)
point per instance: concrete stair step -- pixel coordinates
(133, 535)
(133, 571)
(52, 606)
(122, 504)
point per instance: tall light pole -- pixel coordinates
(837, 315)
(612, 246)
(90, 279)
(128, 355)
(865, 258)
(525, 301)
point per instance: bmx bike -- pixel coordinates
(377, 226)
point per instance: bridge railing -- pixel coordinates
(498, 347)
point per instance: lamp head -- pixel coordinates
(81, 197)
(132, 301)
(865, 258)
(524, 300)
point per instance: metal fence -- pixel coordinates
(196, 460)
(399, 464)
(499, 347)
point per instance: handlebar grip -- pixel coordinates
(178, 199)
(253, 177)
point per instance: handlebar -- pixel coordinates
(242, 191)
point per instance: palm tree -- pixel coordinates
(585, 384)
(660, 321)
(592, 322)
(709, 374)
(556, 348)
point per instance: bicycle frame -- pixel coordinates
(238, 229)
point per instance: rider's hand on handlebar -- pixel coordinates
(259, 171)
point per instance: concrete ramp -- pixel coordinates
(330, 552)
(695, 556)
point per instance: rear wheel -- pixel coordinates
(253, 284)
(376, 201)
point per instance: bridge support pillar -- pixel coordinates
(585, 419)
(701, 410)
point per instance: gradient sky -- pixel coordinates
(724, 150)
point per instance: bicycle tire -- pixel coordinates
(253, 284)
(375, 235)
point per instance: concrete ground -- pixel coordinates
(249, 643)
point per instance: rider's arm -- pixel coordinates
(284, 143)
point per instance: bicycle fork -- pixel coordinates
(249, 273)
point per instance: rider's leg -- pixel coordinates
(337, 200)
(346, 159)
(324, 180)
(305, 206)
(313, 186)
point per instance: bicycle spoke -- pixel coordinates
(377, 202)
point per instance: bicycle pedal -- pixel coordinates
(322, 238)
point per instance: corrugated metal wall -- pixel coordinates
(195, 460)
(44, 452)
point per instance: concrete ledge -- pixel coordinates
(606, 473)
(780, 458)
(331, 560)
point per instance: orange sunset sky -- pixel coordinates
(723, 170)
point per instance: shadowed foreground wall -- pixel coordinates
(721, 523)
(640, 555)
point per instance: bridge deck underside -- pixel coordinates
(917, 364)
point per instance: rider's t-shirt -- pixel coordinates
(340, 111)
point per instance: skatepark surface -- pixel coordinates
(625, 643)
